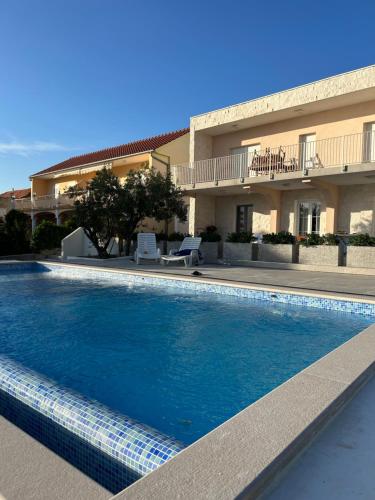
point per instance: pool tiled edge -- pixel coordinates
(317, 300)
(136, 446)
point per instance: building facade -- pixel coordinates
(10, 200)
(49, 200)
(302, 160)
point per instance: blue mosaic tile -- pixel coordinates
(139, 447)
(348, 306)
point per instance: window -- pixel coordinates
(244, 218)
(369, 142)
(308, 218)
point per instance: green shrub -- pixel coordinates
(161, 236)
(313, 240)
(15, 233)
(282, 237)
(240, 237)
(331, 239)
(361, 240)
(71, 224)
(176, 236)
(210, 234)
(48, 235)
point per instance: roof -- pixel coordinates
(131, 148)
(17, 193)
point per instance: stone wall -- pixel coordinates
(360, 257)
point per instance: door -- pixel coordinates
(308, 218)
(369, 142)
(307, 151)
(245, 160)
(244, 222)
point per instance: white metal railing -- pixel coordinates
(335, 151)
(46, 202)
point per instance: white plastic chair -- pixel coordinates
(146, 248)
(189, 243)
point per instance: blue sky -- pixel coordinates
(82, 75)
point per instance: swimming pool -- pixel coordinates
(177, 360)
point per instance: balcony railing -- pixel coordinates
(47, 202)
(335, 151)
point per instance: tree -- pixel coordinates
(107, 209)
(147, 193)
(96, 209)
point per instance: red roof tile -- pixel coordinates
(17, 193)
(131, 148)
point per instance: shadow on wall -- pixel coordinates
(366, 226)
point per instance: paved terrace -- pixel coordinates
(289, 279)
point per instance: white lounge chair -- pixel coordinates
(146, 248)
(190, 246)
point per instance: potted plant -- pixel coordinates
(238, 247)
(361, 251)
(278, 247)
(174, 241)
(324, 250)
(211, 245)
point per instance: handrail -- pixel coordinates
(334, 151)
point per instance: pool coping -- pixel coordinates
(349, 297)
(242, 457)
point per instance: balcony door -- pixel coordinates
(245, 160)
(369, 142)
(307, 151)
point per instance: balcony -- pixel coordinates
(333, 152)
(43, 203)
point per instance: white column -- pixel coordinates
(33, 222)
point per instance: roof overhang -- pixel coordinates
(337, 91)
(91, 167)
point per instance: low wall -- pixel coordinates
(322, 255)
(237, 252)
(268, 252)
(77, 244)
(360, 257)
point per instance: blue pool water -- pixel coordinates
(176, 360)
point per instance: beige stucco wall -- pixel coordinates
(177, 150)
(226, 212)
(357, 206)
(356, 210)
(202, 213)
(332, 123)
(201, 146)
